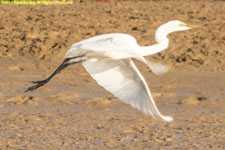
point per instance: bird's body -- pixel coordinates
(107, 44)
(113, 43)
(107, 58)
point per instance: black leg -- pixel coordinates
(61, 67)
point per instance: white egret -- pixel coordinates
(107, 58)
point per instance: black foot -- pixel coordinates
(62, 66)
(37, 85)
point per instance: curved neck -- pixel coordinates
(162, 44)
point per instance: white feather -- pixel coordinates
(122, 79)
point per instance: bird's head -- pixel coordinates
(176, 25)
(172, 26)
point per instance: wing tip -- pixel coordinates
(167, 118)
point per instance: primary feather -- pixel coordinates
(122, 78)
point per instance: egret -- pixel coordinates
(108, 59)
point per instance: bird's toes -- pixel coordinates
(37, 85)
(39, 82)
(36, 82)
(29, 89)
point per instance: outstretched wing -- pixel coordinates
(122, 78)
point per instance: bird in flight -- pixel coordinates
(108, 59)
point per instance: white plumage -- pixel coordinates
(122, 78)
(107, 58)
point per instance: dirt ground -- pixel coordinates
(73, 112)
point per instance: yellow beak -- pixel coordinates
(189, 25)
(193, 26)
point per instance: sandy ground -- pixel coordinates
(73, 112)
